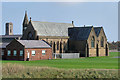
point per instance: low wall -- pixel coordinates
(66, 55)
(114, 50)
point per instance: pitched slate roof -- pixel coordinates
(51, 28)
(10, 36)
(97, 30)
(79, 33)
(34, 44)
(3, 45)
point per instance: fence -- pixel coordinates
(66, 55)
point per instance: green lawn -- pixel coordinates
(106, 62)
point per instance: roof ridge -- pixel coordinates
(51, 22)
(97, 27)
(29, 40)
(82, 27)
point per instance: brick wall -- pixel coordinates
(14, 45)
(2, 56)
(38, 54)
(17, 57)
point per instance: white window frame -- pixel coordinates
(43, 52)
(20, 52)
(2, 53)
(9, 53)
(15, 53)
(33, 52)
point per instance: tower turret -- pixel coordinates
(25, 22)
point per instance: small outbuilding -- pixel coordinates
(27, 50)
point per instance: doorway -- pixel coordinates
(54, 48)
(28, 56)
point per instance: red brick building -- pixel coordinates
(28, 50)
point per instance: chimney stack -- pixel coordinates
(18, 38)
(9, 29)
(73, 23)
(84, 25)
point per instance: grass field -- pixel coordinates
(106, 62)
(93, 67)
(20, 71)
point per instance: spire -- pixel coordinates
(25, 12)
(25, 22)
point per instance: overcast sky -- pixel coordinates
(82, 13)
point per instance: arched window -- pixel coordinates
(57, 45)
(102, 42)
(93, 42)
(29, 36)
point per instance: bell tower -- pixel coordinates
(25, 22)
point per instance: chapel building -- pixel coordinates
(55, 34)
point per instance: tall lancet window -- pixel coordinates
(102, 42)
(93, 42)
(57, 45)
